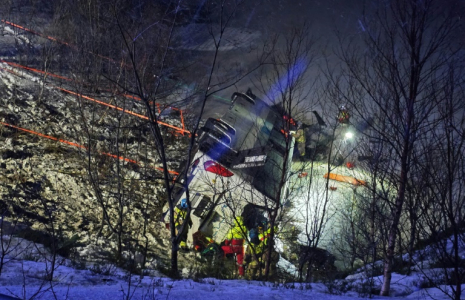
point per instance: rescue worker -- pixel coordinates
(343, 116)
(201, 241)
(273, 256)
(257, 255)
(299, 136)
(180, 216)
(253, 255)
(252, 260)
(234, 243)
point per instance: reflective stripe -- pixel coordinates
(181, 215)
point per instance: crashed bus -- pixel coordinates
(242, 159)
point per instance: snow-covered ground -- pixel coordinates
(25, 271)
(24, 279)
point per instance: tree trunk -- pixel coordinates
(389, 258)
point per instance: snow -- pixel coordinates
(75, 284)
(24, 276)
(25, 270)
(83, 284)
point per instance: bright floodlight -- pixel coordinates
(349, 135)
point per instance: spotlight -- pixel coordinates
(349, 135)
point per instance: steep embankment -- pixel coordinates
(83, 169)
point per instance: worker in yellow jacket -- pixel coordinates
(258, 254)
(300, 140)
(180, 216)
(234, 243)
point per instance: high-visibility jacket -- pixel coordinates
(238, 231)
(263, 236)
(343, 117)
(234, 242)
(300, 136)
(180, 215)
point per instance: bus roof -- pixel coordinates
(258, 126)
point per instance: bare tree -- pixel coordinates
(148, 97)
(7, 230)
(138, 59)
(395, 71)
(442, 170)
(286, 85)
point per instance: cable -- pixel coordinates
(80, 146)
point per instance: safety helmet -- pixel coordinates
(184, 203)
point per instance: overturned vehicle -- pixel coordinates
(243, 159)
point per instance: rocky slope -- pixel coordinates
(59, 166)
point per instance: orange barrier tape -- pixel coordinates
(43, 135)
(65, 43)
(51, 38)
(35, 32)
(159, 110)
(159, 107)
(181, 130)
(79, 146)
(343, 178)
(182, 120)
(122, 109)
(9, 71)
(34, 70)
(157, 104)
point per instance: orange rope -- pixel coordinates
(182, 120)
(35, 32)
(121, 109)
(181, 130)
(34, 70)
(80, 146)
(9, 71)
(51, 38)
(159, 111)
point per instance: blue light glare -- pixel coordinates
(287, 81)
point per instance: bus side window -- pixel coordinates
(204, 206)
(196, 198)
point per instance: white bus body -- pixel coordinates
(240, 161)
